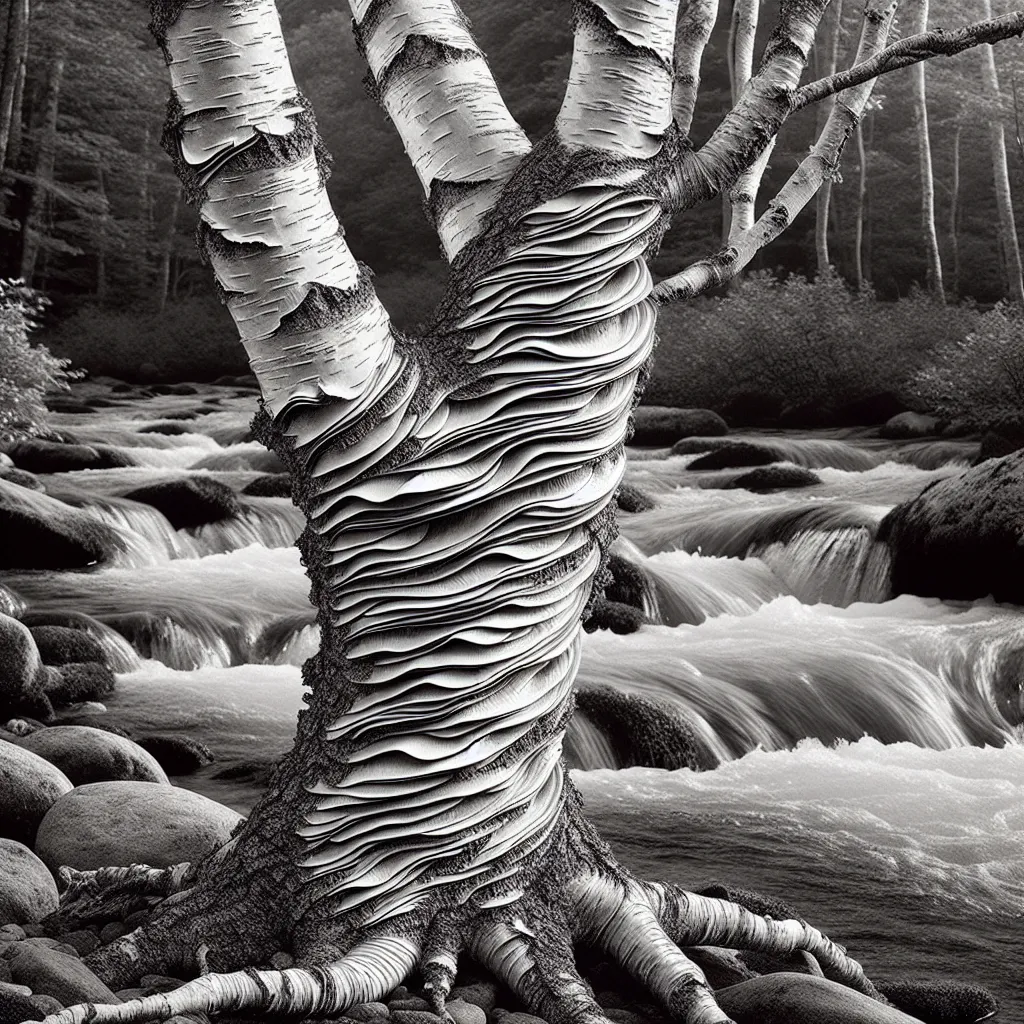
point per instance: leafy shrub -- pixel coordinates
(193, 339)
(979, 378)
(798, 341)
(27, 371)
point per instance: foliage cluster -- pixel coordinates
(27, 371)
(978, 377)
(803, 343)
(193, 339)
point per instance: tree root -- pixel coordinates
(528, 946)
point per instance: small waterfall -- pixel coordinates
(908, 670)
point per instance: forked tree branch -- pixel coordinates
(434, 83)
(748, 129)
(912, 50)
(696, 21)
(802, 185)
(619, 95)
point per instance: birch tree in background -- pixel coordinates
(919, 23)
(1001, 173)
(458, 487)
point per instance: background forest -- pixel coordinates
(91, 215)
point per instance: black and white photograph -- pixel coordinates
(511, 511)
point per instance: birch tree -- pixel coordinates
(458, 488)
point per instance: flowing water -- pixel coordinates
(872, 761)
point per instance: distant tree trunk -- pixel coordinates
(824, 198)
(862, 195)
(868, 235)
(919, 23)
(32, 229)
(164, 280)
(954, 213)
(15, 58)
(1001, 173)
(101, 237)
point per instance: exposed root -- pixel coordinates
(113, 893)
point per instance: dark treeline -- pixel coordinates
(91, 212)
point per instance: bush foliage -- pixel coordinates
(978, 378)
(799, 341)
(193, 339)
(27, 371)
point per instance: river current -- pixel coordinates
(870, 776)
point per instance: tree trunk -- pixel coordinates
(166, 257)
(862, 196)
(919, 23)
(101, 236)
(15, 60)
(824, 198)
(33, 228)
(1001, 174)
(954, 214)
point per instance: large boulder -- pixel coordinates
(189, 502)
(79, 681)
(122, 823)
(659, 425)
(27, 889)
(53, 973)
(39, 456)
(775, 478)
(269, 485)
(40, 532)
(962, 538)
(803, 999)
(29, 787)
(87, 755)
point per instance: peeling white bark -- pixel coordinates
(448, 111)
(696, 21)
(619, 95)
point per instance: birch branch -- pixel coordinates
(912, 50)
(246, 150)
(802, 185)
(748, 129)
(619, 95)
(434, 83)
(696, 22)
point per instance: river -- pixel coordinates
(868, 776)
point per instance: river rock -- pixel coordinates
(29, 787)
(908, 425)
(465, 1013)
(59, 645)
(660, 425)
(177, 755)
(189, 502)
(941, 1002)
(175, 389)
(27, 889)
(21, 477)
(87, 755)
(803, 999)
(736, 456)
(481, 993)
(775, 478)
(122, 823)
(40, 532)
(269, 485)
(52, 973)
(169, 428)
(78, 682)
(962, 538)
(19, 659)
(16, 1006)
(39, 456)
(619, 618)
(631, 499)
(629, 584)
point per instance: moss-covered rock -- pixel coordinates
(19, 660)
(736, 456)
(910, 425)
(962, 538)
(613, 615)
(269, 485)
(631, 499)
(170, 428)
(177, 755)
(39, 456)
(76, 682)
(629, 583)
(87, 755)
(189, 502)
(659, 425)
(775, 478)
(940, 1002)
(644, 733)
(59, 645)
